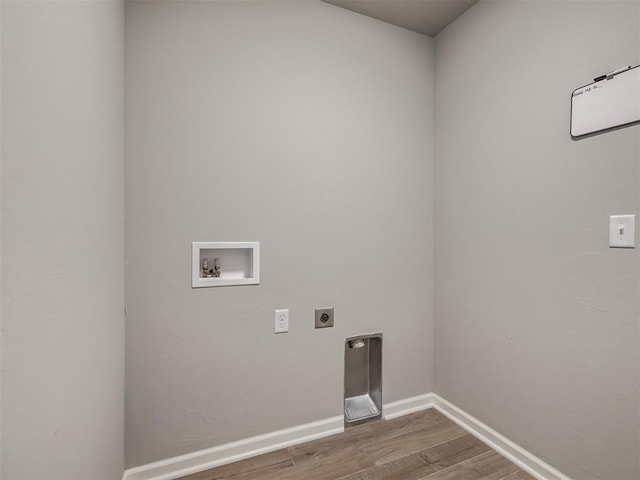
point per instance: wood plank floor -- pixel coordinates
(422, 446)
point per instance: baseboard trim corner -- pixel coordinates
(528, 462)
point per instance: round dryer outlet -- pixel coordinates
(324, 317)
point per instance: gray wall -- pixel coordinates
(62, 240)
(1, 213)
(536, 318)
(307, 128)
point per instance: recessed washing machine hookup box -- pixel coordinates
(220, 264)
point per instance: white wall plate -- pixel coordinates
(622, 230)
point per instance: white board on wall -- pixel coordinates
(611, 102)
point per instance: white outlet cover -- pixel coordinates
(622, 231)
(281, 321)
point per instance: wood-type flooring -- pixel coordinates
(420, 446)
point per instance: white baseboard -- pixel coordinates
(501, 444)
(407, 406)
(199, 461)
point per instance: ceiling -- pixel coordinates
(423, 16)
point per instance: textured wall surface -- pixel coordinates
(536, 321)
(305, 127)
(62, 240)
(310, 129)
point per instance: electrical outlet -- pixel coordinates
(324, 317)
(282, 321)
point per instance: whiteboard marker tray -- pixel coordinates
(359, 408)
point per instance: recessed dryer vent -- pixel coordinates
(362, 378)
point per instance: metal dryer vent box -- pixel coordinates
(362, 378)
